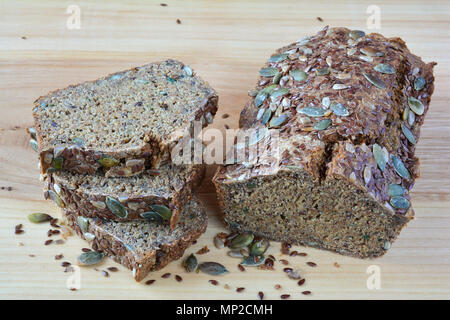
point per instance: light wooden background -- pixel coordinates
(225, 42)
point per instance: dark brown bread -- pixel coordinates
(123, 123)
(139, 245)
(165, 190)
(349, 108)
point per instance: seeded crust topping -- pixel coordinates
(135, 115)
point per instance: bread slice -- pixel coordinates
(122, 123)
(348, 108)
(165, 190)
(141, 246)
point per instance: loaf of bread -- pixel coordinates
(348, 108)
(159, 194)
(123, 123)
(139, 245)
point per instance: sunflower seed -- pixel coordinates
(339, 109)
(56, 199)
(384, 68)
(259, 247)
(399, 202)
(108, 162)
(190, 263)
(419, 83)
(266, 116)
(279, 92)
(416, 106)
(253, 261)
(408, 134)
(400, 167)
(212, 268)
(34, 145)
(89, 258)
(312, 111)
(374, 80)
(323, 124)
(322, 71)
(369, 51)
(241, 240)
(116, 207)
(268, 72)
(152, 216)
(162, 210)
(277, 121)
(219, 243)
(396, 190)
(356, 34)
(39, 217)
(83, 223)
(298, 75)
(278, 57)
(339, 86)
(379, 156)
(259, 99)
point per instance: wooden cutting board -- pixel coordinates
(226, 42)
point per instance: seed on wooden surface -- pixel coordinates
(59, 241)
(319, 19)
(190, 263)
(311, 264)
(203, 250)
(166, 275)
(150, 282)
(287, 270)
(261, 295)
(48, 242)
(212, 268)
(85, 249)
(178, 21)
(285, 262)
(105, 273)
(277, 287)
(214, 282)
(337, 265)
(285, 247)
(301, 282)
(241, 267)
(65, 264)
(113, 269)
(39, 217)
(59, 256)
(227, 286)
(306, 293)
(163, 4)
(89, 258)
(240, 289)
(285, 296)
(178, 278)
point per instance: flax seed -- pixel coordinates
(150, 282)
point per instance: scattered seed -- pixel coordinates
(113, 269)
(203, 250)
(59, 256)
(319, 19)
(31, 255)
(166, 275)
(178, 278)
(241, 240)
(39, 217)
(285, 262)
(241, 267)
(59, 241)
(240, 289)
(306, 293)
(214, 282)
(227, 286)
(86, 250)
(105, 273)
(163, 4)
(261, 295)
(89, 258)
(212, 268)
(285, 296)
(48, 242)
(301, 282)
(190, 263)
(259, 247)
(150, 282)
(277, 287)
(178, 21)
(225, 116)
(311, 264)
(219, 243)
(65, 264)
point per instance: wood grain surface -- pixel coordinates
(226, 42)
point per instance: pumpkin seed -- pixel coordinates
(400, 167)
(277, 77)
(241, 240)
(313, 111)
(269, 89)
(326, 102)
(416, 106)
(188, 71)
(162, 210)
(378, 154)
(39, 217)
(371, 52)
(268, 72)
(277, 121)
(279, 92)
(212, 268)
(116, 207)
(253, 261)
(190, 263)
(56, 199)
(322, 71)
(57, 163)
(266, 116)
(419, 83)
(108, 162)
(236, 253)
(374, 80)
(396, 190)
(259, 247)
(408, 134)
(356, 34)
(278, 57)
(152, 216)
(259, 99)
(323, 124)
(399, 202)
(83, 223)
(298, 75)
(219, 243)
(339, 109)
(89, 258)
(411, 118)
(384, 68)
(405, 114)
(34, 145)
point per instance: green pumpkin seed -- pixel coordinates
(83, 223)
(279, 92)
(374, 80)
(371, 52)
(241, 240)
(323, 124)
(116, 207)
(89, 258)
(253, 261)
(268, 72)
(57, 163)
(259, 99)
(190, 263)
(416, 106)
(378, 154)
(408, 134)
(212, 268)
(322, 71)
(339, 109)
(278, 57)
(259, 247)
(34, 145)
(39, 217)
(269, 89)
(188, 71)
(400, 167)
(277, 77)
(266, 116)
(396, 190)
(277, 121)
(419, 83)
(313, 111)
(56, 199)
(162, 210)
(298, 75)
(108, 162)
(399, 203)
(384, 68)
(405, 114)
(152, 216)
(356, 34)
